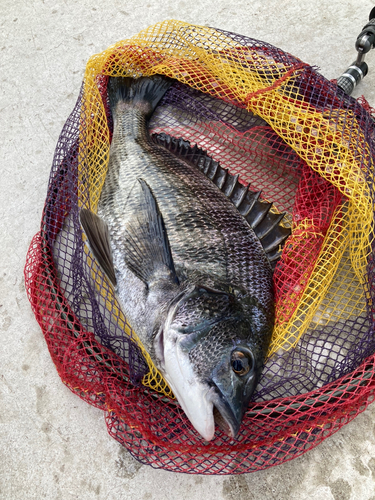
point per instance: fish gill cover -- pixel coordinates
(309, 148)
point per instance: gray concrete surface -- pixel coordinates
(52, 444)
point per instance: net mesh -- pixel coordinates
(282, 127)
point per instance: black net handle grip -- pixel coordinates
(352, 76)
(359, 69)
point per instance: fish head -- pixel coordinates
(211, 351)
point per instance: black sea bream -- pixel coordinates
(192, 276)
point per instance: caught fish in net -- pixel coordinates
(281, 127)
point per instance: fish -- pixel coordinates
(190, 252)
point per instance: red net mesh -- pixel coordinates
(152, 427)
(319, 374)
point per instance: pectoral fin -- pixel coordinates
(147, 251)
(97, 234)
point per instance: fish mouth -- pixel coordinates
(228, 419)
(205, 408)
(222, 423)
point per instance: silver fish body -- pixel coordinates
(190, 273)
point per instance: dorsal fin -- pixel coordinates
(265, 223)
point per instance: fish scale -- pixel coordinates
(175, 185)
(191, 275)
(212, 214)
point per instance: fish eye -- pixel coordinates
(241, 362)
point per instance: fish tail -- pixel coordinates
(144, 92)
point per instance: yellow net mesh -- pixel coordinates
(331, 144)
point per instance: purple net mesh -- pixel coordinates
(94, 349)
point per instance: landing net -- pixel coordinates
(281, 126)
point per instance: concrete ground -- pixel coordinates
(52, 444)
